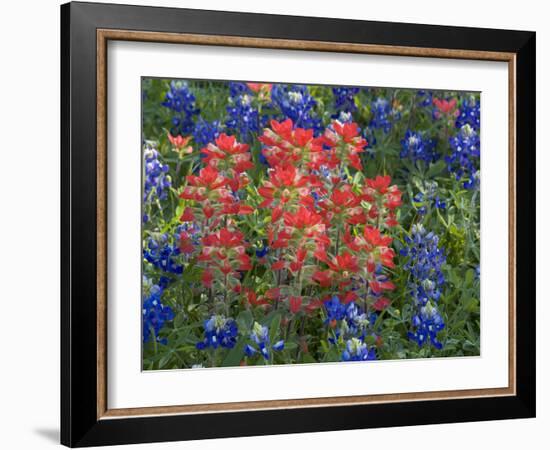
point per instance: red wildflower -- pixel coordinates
(207, 278)
(304, 219)
(378, 286)
(349, 297)
(381, 303)
(346, 264)
(187, 215)
(445, 107)
(323, 277)
(285, 144)
(295, 303)
(254, 300)
(185, 243)
(228, 154)
(245, 262)
(180, 143)
(273, 294)
(343, 206)
(208, 184)
(379, 184)
(298, 262)
(257, 87)
(278, 265)
(384, 199)
(285, 183)
(345, 144)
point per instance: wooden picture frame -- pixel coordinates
(86, 418)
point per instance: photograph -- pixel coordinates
(296, 224)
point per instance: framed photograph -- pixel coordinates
(277, 224)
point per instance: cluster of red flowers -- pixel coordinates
(224, 251)
(213, 202)
(325, 229)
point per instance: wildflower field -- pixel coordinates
(286, 224)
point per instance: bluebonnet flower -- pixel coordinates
(478, 272)
(157, 182)
(262, 251)
(243, 116)
(205, 132)
(181, 100)
(425, 283)
(154, 314)
(425, 259)
(161, 254)
(440, 204)
(260, 337)
(346, 320)
(219, 332)
(296, 103)
(236, 88)
(356, 321)
(335, 309)
(416, 147)
(425, 98)
(383, 114)
(428, 196)
(469, 113)
(357, 350)
(344, 100)
(464, 159)
(426, 323)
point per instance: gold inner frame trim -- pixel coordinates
(103, 36)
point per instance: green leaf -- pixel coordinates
(235, 355)
(436, 169)
(291, 346)
(308, 359)
(274, 327)
(164, 360)
(469, 277)
(245, 321)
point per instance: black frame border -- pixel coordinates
(79, 424)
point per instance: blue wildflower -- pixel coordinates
(426, 279)
(260, 337)
(463, 162)
(425, 259)
(219, 332)
(440, 204)
(154, 314)
(346, 320)
(416, 147)
(205, 132)
(344, 100)
(262, 251)
(156, 182)
(425, 98)
(383, 114)
(243, 116)
(356, 321)
(296, 103)
(161, 254)
(357, 350)
(427, 196)
(335, 309)
(426, 324)
(181, 100)
(469, 113)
